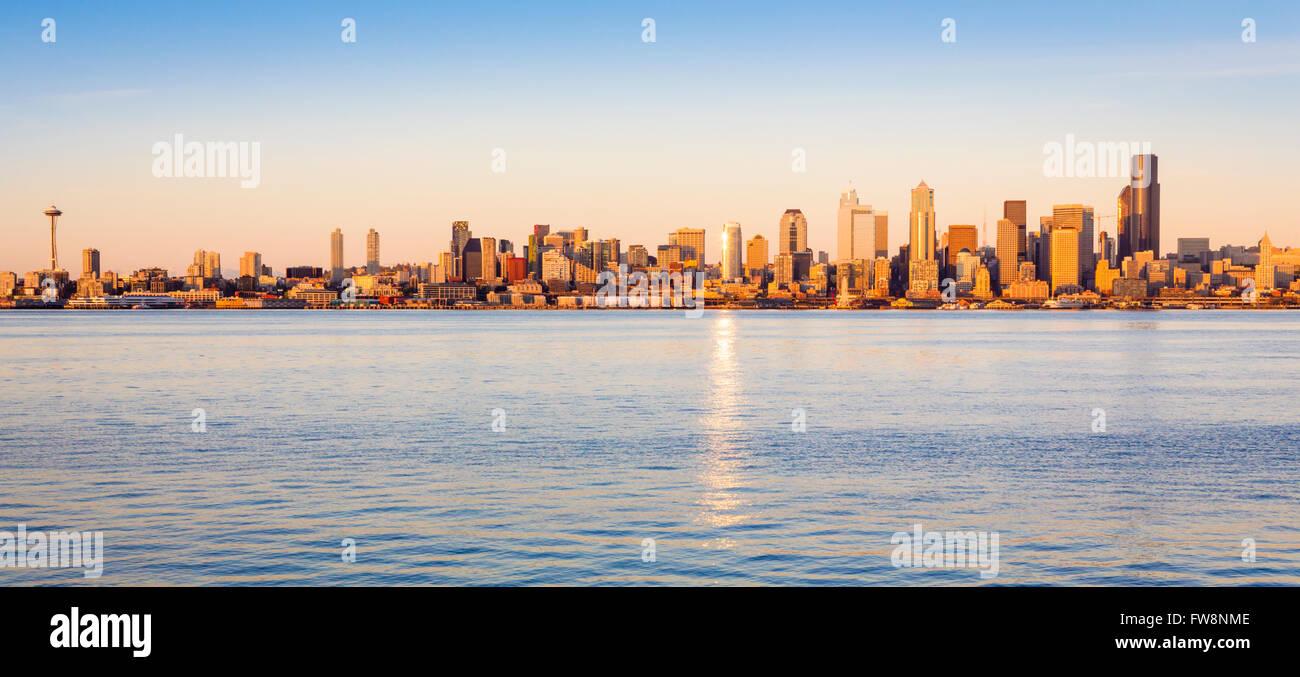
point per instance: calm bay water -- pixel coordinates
(622, 426)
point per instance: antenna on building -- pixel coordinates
(985, 227)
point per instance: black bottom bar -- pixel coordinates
(348, 626)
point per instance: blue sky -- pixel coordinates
(626, 138)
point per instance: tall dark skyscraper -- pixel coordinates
(1122, 223)
(1015, 212)
(471, 258)
(1144, 205)
(459, 236)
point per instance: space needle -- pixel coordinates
(54, 214)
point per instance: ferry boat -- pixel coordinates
(1064, 303)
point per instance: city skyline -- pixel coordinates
(790, 231)
(644, 140)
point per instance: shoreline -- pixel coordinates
(378, 307)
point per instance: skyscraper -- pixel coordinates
(1044, 261)
(783, 268)
(459, 236)
(861, 232)
(756, 254)
(1087, 255)
(691, 241)
(1144, 205)
(921, 238)
(922, 266)
(731, 251)
(1009, 233)
(637, 256)
(250, 265)
(90, 264)
(1080, 218)
(1191, 248)
(793, 232)
(211, 265)
(880, 230)
(1123, 223)
(372, 252)
(1265, 272)
(1106, 248)
(1016, 211)
(1065, 257)
(962, 237)
(488, 245)
(471, 260)
(336, 257)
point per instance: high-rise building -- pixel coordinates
(606, 255)
(250, 265)
(1065, 257)
(668, 254)
(336, 257)
(1144, 205)
(1087, 257)
(580, 234)
(881, 275)
(756, 254)
(861, 232)
(922, 266)
(1265, 272)
(1106, 248)
(637, 256)
(922, 229)
(1044, 261)
(1016, 211)
(534, 253)
(471, 260)
(962, 237)
(446, 267)
(1009, 233)
(1080, 218)
(372, 252)
(211, 265)
(1191, 248)
(1123, 223)
(793, 232)
(556, 266)
(488, 245)
(584, 262)
(460, 235)
(880, 221)
(691, 240)
(731, 251)
(783, 270)
(90, 264)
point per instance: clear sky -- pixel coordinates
(627, 138)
